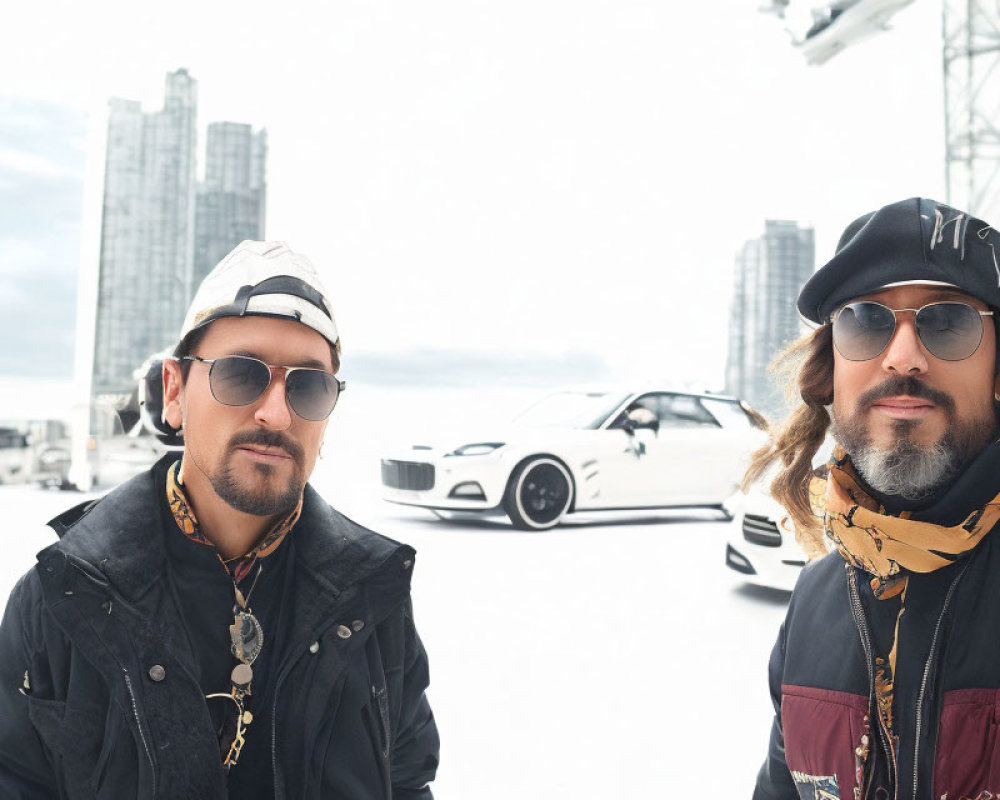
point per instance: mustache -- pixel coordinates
(268, 439)
(898, 385)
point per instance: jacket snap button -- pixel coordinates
(357, 625)
(314, 648)
(343, 632)
(407, 564)
(157, 673)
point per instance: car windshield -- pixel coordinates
(571, 410)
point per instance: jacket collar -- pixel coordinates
(975, 487)
(121, 537)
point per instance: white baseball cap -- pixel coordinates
(263, 279)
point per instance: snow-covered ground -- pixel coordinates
(613, 657)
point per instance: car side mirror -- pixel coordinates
(641, 418)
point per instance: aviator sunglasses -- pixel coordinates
(239, 380)
(949, 331)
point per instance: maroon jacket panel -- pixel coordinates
(967, 761)
(823, 728)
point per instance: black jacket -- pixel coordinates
(947, 682)
(84, 714)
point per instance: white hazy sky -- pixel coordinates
(537, 175)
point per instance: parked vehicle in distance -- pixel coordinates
(123, 456)
(34, 451)
(577, 451)
(51, 466)
(762, 547)
(15, 455)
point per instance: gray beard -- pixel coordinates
(906, 469)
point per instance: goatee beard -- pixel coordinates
(251, 501)
(905, 468)
(261, 501)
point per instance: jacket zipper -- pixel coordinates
(380, 696)
(138, 723)
(866, 645)
(926, 677)
(278, 785)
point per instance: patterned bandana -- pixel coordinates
(185, 519)
(888, 548)
(883, 544)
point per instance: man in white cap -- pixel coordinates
(212, 628)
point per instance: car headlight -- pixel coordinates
(476, 449)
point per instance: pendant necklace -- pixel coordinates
(245, 634)
(246, 640)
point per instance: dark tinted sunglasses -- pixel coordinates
(239, 380)
(950, 331)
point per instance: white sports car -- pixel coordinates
(586, 451)
(762, 547)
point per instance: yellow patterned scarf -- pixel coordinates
(185, 519)
(888, 548)
(884, 545)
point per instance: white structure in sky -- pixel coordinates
(970, 32)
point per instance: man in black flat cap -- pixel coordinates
(886, 673)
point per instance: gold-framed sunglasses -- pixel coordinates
(950, 330)
(240, 380)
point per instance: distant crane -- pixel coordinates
(971, 33)
(970, 59)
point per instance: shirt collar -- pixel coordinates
(184, 516)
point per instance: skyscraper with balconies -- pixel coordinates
(769, 272)
(161, 231)
(231, 200)
(147, 233)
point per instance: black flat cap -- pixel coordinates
(913, 240)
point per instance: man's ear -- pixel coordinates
(173, 391)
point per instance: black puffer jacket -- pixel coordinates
(83, 714)
(826, 741)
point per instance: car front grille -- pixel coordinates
(412, 475)
(761, 530)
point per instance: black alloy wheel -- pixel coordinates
(538, 494)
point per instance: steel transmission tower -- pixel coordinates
(971, 33)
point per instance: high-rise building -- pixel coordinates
(231, 200)
(161, 232)
(147, 233)
(769, 272)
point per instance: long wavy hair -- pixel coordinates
(806, 368)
